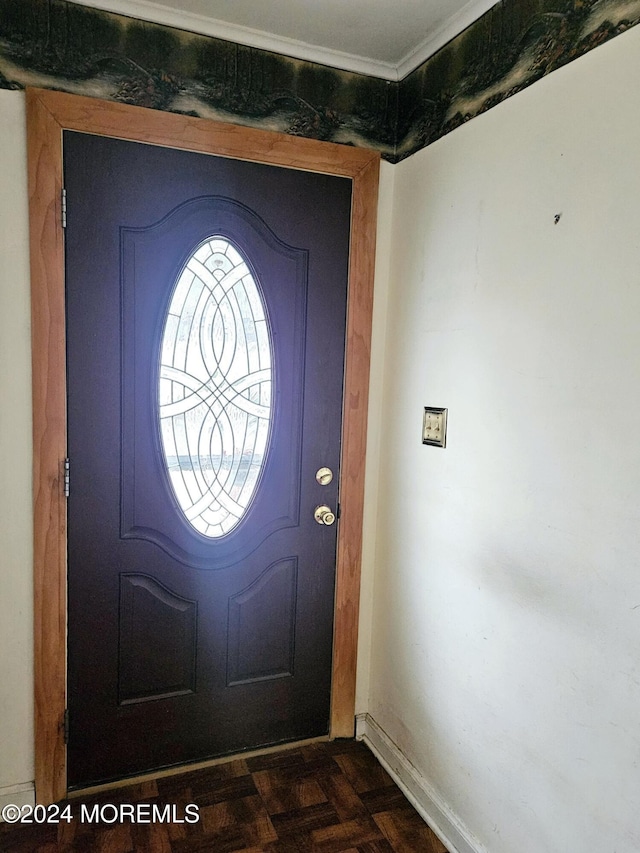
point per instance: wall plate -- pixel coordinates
(434, 426)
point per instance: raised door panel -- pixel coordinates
(262, 624)
(157, 641)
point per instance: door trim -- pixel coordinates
(48, 114)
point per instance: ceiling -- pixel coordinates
(386, 38)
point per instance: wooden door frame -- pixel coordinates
(49, 113)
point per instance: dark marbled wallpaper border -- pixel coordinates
(57, 44)
(511, 46)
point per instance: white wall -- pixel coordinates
(505, 661)
(16, 574)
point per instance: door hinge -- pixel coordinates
(64, 208)
(67, 478)
(65, 724)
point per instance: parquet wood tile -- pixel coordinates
(406, 832)
(305, 820)
(334, 839)
(321, 798)
(347, 804)
(281, 793)
(364, 772)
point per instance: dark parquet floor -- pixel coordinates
(322, 798)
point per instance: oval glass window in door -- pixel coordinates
(215, 387)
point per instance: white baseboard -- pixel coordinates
(17, 795)
(446, 825)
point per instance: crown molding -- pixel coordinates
(147, 10)
(156, 13)
(447, 31)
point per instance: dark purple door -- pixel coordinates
(206, 303)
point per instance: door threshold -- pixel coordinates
(178, 769)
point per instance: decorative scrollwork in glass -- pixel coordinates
(215, 387)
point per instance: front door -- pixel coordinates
(206, 303)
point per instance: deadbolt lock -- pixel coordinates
(324, 515)
(324, 476)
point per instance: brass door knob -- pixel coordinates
(324, 515)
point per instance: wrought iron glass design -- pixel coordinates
(215, 387)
